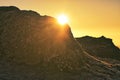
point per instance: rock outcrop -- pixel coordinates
(101, 47)
(35, 47)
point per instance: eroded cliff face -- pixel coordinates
(101, 47)
(35, 47)
(27, 37)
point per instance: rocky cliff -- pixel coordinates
(35, 47)
(101, 47)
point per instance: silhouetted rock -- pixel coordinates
(35, 47)
(101, 47)
(10, 8)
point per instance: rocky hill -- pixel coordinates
(101, 47)
(35, 47)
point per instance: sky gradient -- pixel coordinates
(86, 17)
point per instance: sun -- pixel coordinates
(62, 19)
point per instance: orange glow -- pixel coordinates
(87, 17)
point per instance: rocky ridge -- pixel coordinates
(35, 47)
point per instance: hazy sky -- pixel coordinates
(86, 17)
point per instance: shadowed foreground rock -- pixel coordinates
(35, 47)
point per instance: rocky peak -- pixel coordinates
(32, 38)
(10, 8)
(101, 46)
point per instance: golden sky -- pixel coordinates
(86, 17)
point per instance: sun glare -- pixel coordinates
(62, 19)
